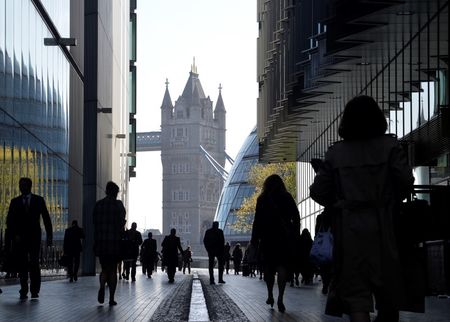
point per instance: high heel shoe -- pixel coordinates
(270, 301)
(281, 307)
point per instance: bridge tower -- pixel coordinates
(191, 186)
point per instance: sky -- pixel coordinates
(221, 35)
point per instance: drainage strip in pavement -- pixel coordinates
(198, 311)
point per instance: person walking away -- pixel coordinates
(23, 223)
(187, 260)
(275, 228)
(214, 242)
(306, 268)
(135, 239)
(237, 258)
(72, 249)
(365, 176)
(170, 247)
(109, 221)
(148, 255)
(323, 223)
(252, 259)
(227, 256)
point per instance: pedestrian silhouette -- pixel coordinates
(323, 224)
(148, 255)
(170, 247)
(275, 229)
(72, 249)
(187, 260)
(214, 242)
(365, 176)
(23, 223)
(227, 256)
(134, 239)
(304, 246)
(252, 259)
(237, 258)
(109, 222)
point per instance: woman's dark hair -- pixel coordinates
(112, 189)
(362, 119)
(273, 184)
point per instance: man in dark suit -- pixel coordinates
(24, 230)
(170, 247)
(149, 255)
(135, 239)
(72, 249)
(214, 242)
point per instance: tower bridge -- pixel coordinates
(148, 141)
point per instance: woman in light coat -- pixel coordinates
(365, 176)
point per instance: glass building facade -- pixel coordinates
(34, 107)
(236, 188)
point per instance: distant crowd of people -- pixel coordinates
(360, 183)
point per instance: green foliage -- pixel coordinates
(258, 173)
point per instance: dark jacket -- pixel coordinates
(25, 226)
(276, 227)
(148, 251)
(72, 240)
(226, 252)
(237, 255)
(135, 240)
(170, 247)
(214, 241)
(187, 256)
(109, 222)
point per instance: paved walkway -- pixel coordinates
(148, 299)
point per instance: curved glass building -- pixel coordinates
(236, 188)
(34, 108)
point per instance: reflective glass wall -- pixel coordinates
(237, 188)
(34, 106)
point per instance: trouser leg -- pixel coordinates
(221, 263)
(112, 280)
(211, 267)
(127, 265)
(35, 271)
(70, 265)
(76, 265)
(171, 272)
(133, 269)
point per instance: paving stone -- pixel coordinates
(220, 306)
(140, 301)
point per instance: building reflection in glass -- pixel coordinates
(34, 105)
(236, 188)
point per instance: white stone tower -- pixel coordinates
(191, 187)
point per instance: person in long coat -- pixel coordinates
(304, 248)
(170, 247)
(149, 254)
(365, 176)
(72, 248)
(134, 238)
(275, 228)
(237, 258)
(214, 242)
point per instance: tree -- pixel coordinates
(257, 174)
